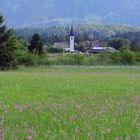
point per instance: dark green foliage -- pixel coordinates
(134, 45)
(122, 57)
(104, 58)
(116, 58)
(127, 56)
(36, 45)
(82, 46)
(134, 37)
(43, 60)
(138, 56)
(54, 50)
(7, 47)
(78, 58)
(70, 59)
(27, 59)
(117, 43)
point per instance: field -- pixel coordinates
(70, 103)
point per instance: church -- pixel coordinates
(67, 46)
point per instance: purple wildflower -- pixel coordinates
(108, 130)
(29, 137)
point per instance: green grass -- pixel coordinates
(70, 103)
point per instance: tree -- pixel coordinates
(134, 46)
(83, 46)
(117, 43)
(36, 45)
(127, 56)
(7, 47)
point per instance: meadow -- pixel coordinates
(70, 103)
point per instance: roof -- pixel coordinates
(61, 45)
(97, 43)
(101, 49)
(71, 33)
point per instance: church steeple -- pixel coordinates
(71, 33)
(72, 40)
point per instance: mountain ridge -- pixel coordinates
(25, 13)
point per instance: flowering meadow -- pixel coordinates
(70, 103)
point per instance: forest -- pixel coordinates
(82, 32)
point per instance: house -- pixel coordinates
(64, 45)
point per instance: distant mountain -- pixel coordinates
(42, 13)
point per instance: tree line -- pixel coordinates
(82, 32)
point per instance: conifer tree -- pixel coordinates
(36, 45)
(7, 47)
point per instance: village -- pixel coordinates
(94, 46)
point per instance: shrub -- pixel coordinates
(64, 60)
(43, 60)
(55, 50)
(116, 58)
(127, 56)
(138, 56)
(118, 43)
(78, 58)
(27, 59)
(70, 59)
(90, 60)
(102, 59)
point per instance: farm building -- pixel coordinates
(102, 49)
(97, 47)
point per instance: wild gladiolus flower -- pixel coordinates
(20, 110)
(116, 138)
(29, 137)
(138, 136)
(108, 130)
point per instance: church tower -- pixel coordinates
(72, 40)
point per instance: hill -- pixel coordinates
(35, 13)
